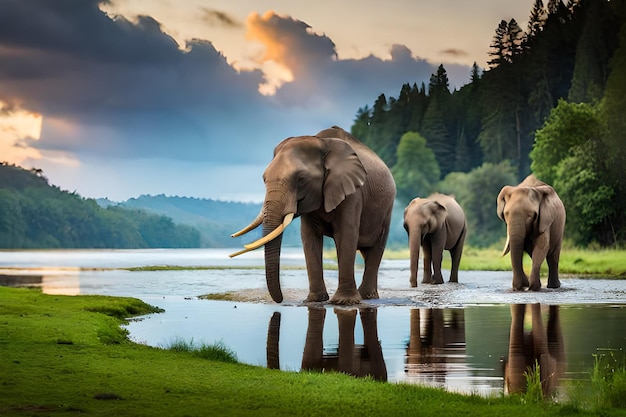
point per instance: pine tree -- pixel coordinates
(535, 22)
(593, 51)
(498, 45)
(514, 38)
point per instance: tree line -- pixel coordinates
(551, 102)
(34, 214)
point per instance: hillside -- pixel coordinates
(37, 215)
(216, 220)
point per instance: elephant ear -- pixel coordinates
(344, 173)
(501, 202)
(437, 216)
(548, 208)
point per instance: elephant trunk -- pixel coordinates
(278, 212)
(272, 265)
(516, 234)
(415, 243)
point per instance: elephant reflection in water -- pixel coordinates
(436, 343)
(539, 345)
(350, 358)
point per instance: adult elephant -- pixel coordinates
(535, 221)
(341, 189)
(436, 223)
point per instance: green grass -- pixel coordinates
(605, 263)
(606, 387)
(215, 352)
(55, 362)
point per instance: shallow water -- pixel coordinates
(454, 335)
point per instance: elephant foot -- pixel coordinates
(369, 294)
(413, 283)
(535, 286)
(316, 297)
(437, 280)
(554, 283)
(519, 284)
(346, 298)
(427, 281)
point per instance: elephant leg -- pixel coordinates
(369, 286)
(437, 244)
(377, 368)
(540, 250)
(515, 365)
(553, 268)
(347, 292)
(346, 360)
(427, 249)
(455, 255)
(312, 242)
(313, 355)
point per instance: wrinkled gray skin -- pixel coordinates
(435, 223)
(535, 221)
(340, 188)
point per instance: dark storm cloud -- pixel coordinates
(78, 28)
(108, 86)
(126, 85)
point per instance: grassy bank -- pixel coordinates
(581, 262)
(65, 355)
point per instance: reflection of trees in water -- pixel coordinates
(354, 359)
(539, 344)
(436, 344)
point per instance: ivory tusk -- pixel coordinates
(272, 235)
(241, 252)
(253, 225)
(506, 244)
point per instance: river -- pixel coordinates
(456, 336)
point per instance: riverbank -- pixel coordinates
(605, 263)
(62, 355)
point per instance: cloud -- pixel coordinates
(113, 89)
(219, 18)
(454, 52)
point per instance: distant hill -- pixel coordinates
(35, 214)
(216, 220)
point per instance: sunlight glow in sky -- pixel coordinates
(148, 96)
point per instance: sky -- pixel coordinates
(116, 99)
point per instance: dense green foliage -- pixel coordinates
(34, 214)
(62, 356)
(552, 99)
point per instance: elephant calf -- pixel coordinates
(436, 223)
(535, 220)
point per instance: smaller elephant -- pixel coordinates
(535, 220)
(436, 223)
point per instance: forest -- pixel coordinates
(552, 102)
(36, 215)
